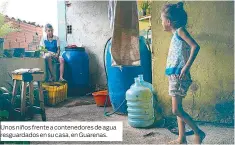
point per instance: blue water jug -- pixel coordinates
(157, 115)
(140, 105)
(150, 86)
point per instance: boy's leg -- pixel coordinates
(61, 59)
(49, 62)
(177, 109)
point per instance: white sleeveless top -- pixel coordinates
(178, 55)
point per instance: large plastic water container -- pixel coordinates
(120, 79)
(140, 105)
(76, 70)
(150, 86)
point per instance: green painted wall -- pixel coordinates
(210, 98)
(144, 25)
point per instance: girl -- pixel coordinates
(182, 53)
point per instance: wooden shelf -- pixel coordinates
(144, 18)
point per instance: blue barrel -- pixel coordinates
(76, 70)
(120, 80)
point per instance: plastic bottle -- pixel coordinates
(140, 105)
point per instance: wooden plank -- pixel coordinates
(17, 77)
(23, 77)
(145, 18)
(37, 76)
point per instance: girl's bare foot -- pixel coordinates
(178, 141)
(199, 137)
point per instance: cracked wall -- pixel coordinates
(211, 97)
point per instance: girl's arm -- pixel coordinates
(183, 33)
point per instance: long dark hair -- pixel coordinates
(176, 14)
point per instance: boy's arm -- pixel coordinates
(42, 44)
(194, 49)
(58, 52)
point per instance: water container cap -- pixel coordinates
(141, 77)
(137, 80)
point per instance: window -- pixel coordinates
(69, 29)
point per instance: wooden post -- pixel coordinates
(41, 99)
(31, 94)
(23, 100)
(14, 91)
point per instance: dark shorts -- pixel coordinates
(53, 57)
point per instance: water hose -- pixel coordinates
(106, 100)
(148, 44)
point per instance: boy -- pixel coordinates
(52, 44)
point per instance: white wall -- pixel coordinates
(61, 12)
(90, 28)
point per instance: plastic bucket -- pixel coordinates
(18, 52)
(100, 98)
(29, 53)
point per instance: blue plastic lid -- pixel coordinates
(74, 49)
